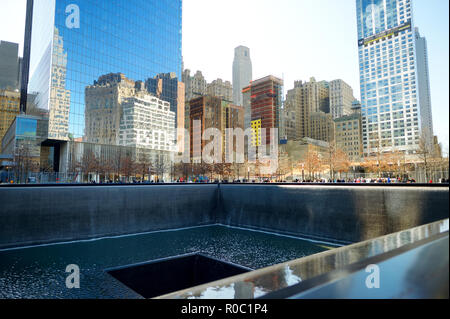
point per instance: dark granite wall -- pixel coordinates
(51, 214)
(343, 214)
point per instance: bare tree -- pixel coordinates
(161, 166)
(105, 168)
(116, 163)
(284, 166)
(379, 164)
(25, 162)
(144, 165)
(331, 158)
(238, 170)
(223, 170)
(128, 166)
(425, 152)
(183, 170)
(201, 169)
(341, 162)
(396, 162)
(313, 162)
(89, 163)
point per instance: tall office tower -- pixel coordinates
(10, 66)
(423, 75)
(213, 112)
(390, 105)
(242, 72)
(88, 39)
(305, 99)
(341, 98)
(266, 100)
(220, 88)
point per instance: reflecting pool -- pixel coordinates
(40, 272)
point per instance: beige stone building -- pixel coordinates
(321, 127)
(104, 107)
(220, 88)
(298, 150)
(341, 98)
(287, 124)
(348, 135)
(9, 109)
(195, 86)
(304, 100)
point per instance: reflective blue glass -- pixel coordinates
(375, 16)
(26, 127)
(74, 42)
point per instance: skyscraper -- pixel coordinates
(213, 112)
(306, 99)
(71, 43)
(265, 101)
(242, 72)
(10, 66)
(424, 86)
(341, 98)
(389, 77)
(10, 73)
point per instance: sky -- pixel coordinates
(291, 39)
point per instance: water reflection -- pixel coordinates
(287, 274)
(39, 272)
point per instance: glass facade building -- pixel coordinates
(25, 135)
(391, 117)
(74, 42)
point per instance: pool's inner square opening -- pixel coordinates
(163, 276)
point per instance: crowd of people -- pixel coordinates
(359, 180)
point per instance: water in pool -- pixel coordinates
(40, 272)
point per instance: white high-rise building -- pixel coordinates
(147, 122)
(424, 86)
(242, 72)
(390, 106)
